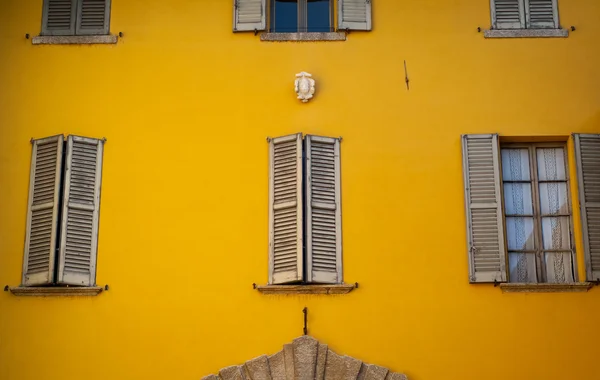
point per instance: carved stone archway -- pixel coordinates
(305, 359)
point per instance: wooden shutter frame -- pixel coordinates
(554, 25)
(70, 31)
(91, 32)
(249, 27)
(43, 277)
(367, 25)
(498, 25)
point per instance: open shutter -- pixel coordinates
(354, 14)
(58, 17)
(249, 15)
(541, 14)
(42, 211)
(587, 153)
(81, 203)
(93, 17)
(485, 229)
(285, 210)
(508, 14)
(323, 210)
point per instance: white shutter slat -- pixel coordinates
(485, 230)
(42, 213)
(81, 206)
(587, 153)
(541, 14)
(508, 14)
(285, 210)
(323, 210)
(59, 17)
(93, 17)
(354, 14)
(249, 15)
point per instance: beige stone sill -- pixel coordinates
(74, 40)
(328, 36)
(526, 33)
(306, 289)
(56, 291)
(578, 287)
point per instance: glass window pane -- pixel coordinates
(517, 199)
(519, 234)
(553, 198)
(559, 267)
(284, 16)
(515, 164)
(551, 164)
(318, 16)
(522, 267)
(555, 233)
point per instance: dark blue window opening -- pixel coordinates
(291, 16)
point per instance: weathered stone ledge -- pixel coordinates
(579, 287)
(306, 289)
(71, 291)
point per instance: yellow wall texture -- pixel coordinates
(187, 105)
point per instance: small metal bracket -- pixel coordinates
(596, 282)
(305, 311)
(106, 287)
(340, 139)
(573, 28)
(254, 286)
(27, 35)
(479, 29)
(121, 34)
(104, 139)
(496, 283)
(356, 285)
(347, 31)
(6, 288)
(31, 141)
(268, 139)
(255, 31)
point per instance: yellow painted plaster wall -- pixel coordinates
(186, 106)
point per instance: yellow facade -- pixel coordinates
(187, 105)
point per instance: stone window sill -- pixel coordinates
(578, 287)
(299, 37)
(306, 289)
(56, 291)
(526, 33)
(74, 40)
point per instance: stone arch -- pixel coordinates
(305, 359)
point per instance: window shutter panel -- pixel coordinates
(485, 228)
(541, 14)
(249, 15)
(93, 17)
(285, 210)
(323, 210)
(81, 203)
(508, 14)
(58, 17)
(354, 14)
(42, 211)
(587, 153)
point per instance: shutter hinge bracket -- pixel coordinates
(6, 288)
(596, 282)
(496, 283)
(255, 31)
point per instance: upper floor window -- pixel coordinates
(524, 14)
(290, 16)
(75, 17)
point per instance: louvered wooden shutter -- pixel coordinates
(323, 210)
(285, 210)
(508, 14)
(249, 15)
(93, 17)
(58, 17)
(354, 14)
(587, 153)
(486, 248)
(42, 211)
(81, 203)
(541, 14)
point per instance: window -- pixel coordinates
(524, 14)
(75, 17)
(63, 212)
(305, 232)
(519, 221)
(301, 16)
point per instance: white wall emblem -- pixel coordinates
(305, 86)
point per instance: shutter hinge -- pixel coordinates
(368, 1)
(596, 282)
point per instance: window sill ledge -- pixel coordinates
(306, 289)
(299, 37)
(22, 291)
(578, 287)
(526, 33)
(74, 40)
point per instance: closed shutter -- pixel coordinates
(58, 17)
(481, 168)
(249, 15)
(587, 153)
(354, 14)
(541, 14)
(42, 211)
(508, 14)
(323, 210)
(93, 17)
(285, 210)
(81, 203)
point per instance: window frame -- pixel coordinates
(525, 19)
(302, 22)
